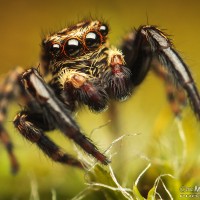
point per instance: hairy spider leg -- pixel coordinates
(175, 95)
(5, 139)
(45, 96)
(10, 89)
(151, 43)
(25, 123)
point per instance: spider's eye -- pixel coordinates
(103, 30)
(92, 40)
(73, 47)
(55, 49)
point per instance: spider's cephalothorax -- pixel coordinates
(84, 65)
(77, 67)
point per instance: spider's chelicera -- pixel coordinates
(79, 67)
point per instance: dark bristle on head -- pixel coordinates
(73, 24)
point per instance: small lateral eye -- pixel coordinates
(103, 29)
(55, 49)
(73, 47)
(92, 40)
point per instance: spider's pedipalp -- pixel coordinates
(89, 93)
(117, 76)
(84, 89)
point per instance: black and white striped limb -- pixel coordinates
(60, 116)
(150, 43)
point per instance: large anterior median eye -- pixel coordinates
(92, 40)
(73, 48)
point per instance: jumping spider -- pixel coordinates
(79, 67)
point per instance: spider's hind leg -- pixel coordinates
(175, 94)
(10, 89)
(147, 43)
(5, 139)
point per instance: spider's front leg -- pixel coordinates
(61, 116)
(31, 126)
(148, 43)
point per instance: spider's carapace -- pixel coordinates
(83, 64)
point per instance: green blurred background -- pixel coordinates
(22, 25)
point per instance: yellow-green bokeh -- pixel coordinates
(22, 25)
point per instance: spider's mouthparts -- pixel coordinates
(89, 92)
